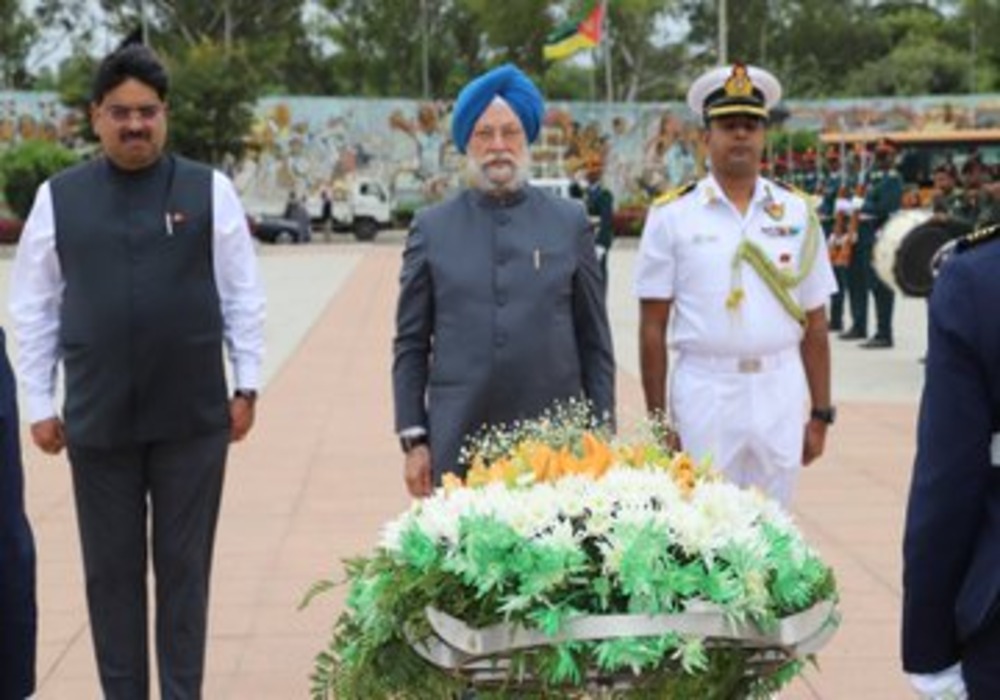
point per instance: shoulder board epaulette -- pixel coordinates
(791, 188)
(979, 236)
(673, 194)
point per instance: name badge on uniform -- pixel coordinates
(702, 238)
(781, 231)
(995, 450)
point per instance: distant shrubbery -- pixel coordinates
(26, 166)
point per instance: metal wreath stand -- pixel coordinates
(483, 656)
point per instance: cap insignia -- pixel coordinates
(738, 83)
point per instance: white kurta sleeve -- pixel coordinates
(36, 292)
(241, 292)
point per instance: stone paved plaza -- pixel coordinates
(322, 471)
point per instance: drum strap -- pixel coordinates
(778, 281)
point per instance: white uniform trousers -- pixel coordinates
(747, 414)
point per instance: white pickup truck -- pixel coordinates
(362, 205)
(359, 204)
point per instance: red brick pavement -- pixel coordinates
(321, 472)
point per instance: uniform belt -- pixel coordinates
(739, 364)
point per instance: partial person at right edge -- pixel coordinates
(951, 546)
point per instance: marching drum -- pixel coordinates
(906, 246)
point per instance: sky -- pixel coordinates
(54, 45)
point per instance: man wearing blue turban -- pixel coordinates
(509, 84)
(501, 306)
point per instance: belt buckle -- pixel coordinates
(749, 365)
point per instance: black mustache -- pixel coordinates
(135, 135)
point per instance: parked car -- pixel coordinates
(277, 229)
(10, 230)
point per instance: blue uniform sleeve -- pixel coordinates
(951, 472)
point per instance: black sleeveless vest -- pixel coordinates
(140, 329)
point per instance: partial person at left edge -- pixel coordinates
(133, 271)
(18, 606)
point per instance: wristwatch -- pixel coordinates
(408, 442)
(824, 415)
(248, 395)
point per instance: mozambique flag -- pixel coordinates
(570, 37)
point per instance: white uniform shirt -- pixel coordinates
(686, 255)
(36, 289)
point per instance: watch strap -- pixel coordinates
(824, 415)
(408, 442)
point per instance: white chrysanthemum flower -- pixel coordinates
(391, 535)
(559, 535)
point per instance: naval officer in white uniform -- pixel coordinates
(737, 266)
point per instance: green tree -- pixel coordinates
(644, 65)
(977, 25)
(26, 166)
(823, 48)
(17, 34)
(380, 45)
(919, 57)
(915, 67)
(211, 102)
(273, 34)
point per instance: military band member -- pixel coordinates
(883, 194)
(831, 186)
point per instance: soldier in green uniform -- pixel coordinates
(600, 207)
(989, 213)
(807, 177)
(949, 201)
(828, 186)
(883, 197)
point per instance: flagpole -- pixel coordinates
(723, 35)
(424, 63)
(609, 84)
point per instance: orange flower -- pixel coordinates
(597, 456)
(540, 457)
(451, 482)
(564, 464)
(502, 471)
(478, 474)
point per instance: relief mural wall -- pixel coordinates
(307, 145)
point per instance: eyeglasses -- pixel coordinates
(488, 135)
(122, 114)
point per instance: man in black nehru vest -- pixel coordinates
(134, 270)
